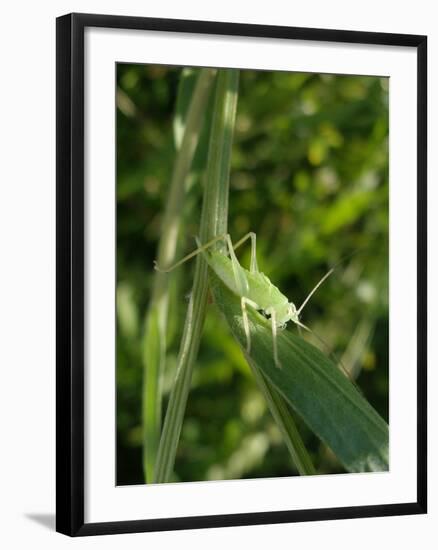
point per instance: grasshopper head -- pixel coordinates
(287, 312)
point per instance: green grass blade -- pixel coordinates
(214, 218)
(154, 338)
(325, 399)
(283, 418)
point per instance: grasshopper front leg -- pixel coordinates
(274, 338)
(274, 326)
(243, 303)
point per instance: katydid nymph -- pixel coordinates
(252, 286)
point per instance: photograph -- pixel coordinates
(215, 284)
(252, 274)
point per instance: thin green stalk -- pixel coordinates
(154, 339)
(214, 219)
(285, 423)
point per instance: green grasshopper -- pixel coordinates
(253, 287)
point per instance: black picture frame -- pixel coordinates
(70, 272)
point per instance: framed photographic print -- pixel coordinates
(241, 274)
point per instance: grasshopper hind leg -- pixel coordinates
(253, 263)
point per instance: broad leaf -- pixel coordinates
(313, 385)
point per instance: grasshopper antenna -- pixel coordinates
(315, 288)
(200, 248)
(334, 357)
(319, 283)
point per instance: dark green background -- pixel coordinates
(309, 175)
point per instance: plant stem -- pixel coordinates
(214, 219)
(154, 339)
(285, 423)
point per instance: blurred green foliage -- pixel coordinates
(310, 176)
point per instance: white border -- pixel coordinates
(104, 501)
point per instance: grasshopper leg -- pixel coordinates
(253, 264)
(274, 339)
(239, 274)
(243, 303)
(201, 248)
